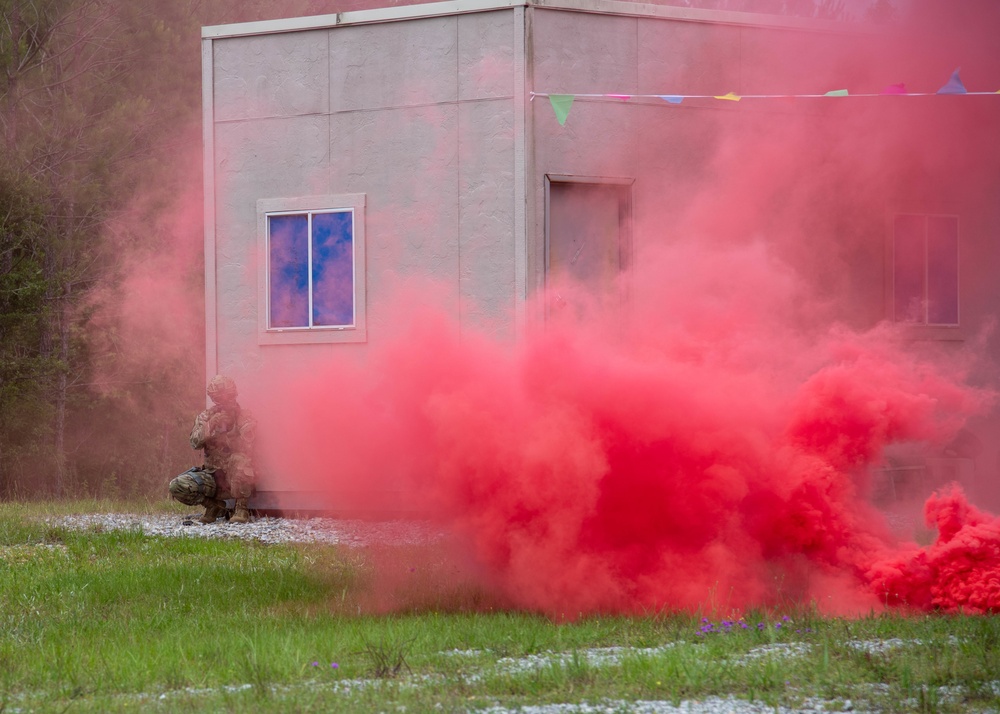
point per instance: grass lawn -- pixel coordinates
(120, 621)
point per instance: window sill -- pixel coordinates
(937, 333)
(330, 335)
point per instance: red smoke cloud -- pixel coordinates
(960, 571)
(148, 325)
(684, 468)
(710, 446)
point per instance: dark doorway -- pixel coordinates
(588, 233)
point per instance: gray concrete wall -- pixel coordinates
(419, 117)
(668, 151)
(416, 115)
(672, 152)
(930, 155)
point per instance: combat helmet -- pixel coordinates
(221, 389)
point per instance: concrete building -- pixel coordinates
(345, 151)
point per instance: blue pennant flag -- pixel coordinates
(954, 85)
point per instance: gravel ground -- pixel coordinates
(267, 530)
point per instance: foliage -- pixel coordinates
(66, 131)
(388, 657)
(82, 120)
(24, 369)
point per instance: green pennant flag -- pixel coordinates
(560, 105)
(837, 93)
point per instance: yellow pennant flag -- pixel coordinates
(730, 96)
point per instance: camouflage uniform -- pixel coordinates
(226, 433)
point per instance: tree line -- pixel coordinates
(97, 100)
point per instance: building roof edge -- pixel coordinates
(458, 7)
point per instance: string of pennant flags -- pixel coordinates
(561, 103)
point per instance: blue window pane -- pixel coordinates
(942, 270)
(333, 268)
(288, 260)
(909, 267)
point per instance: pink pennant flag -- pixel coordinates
(895, 89)
(623, 97)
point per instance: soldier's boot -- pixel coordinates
(214, 510)
(242, 514)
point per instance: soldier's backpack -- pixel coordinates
(193, 486)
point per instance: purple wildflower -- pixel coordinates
(334, 665)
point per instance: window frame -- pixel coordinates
(315, 334)
(892, 296)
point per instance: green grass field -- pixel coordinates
(119, 621)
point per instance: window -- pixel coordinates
(310, 274)
(312, 277)
(925, 269)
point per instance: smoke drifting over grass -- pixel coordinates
(662, 468)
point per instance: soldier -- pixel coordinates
(226, 434)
